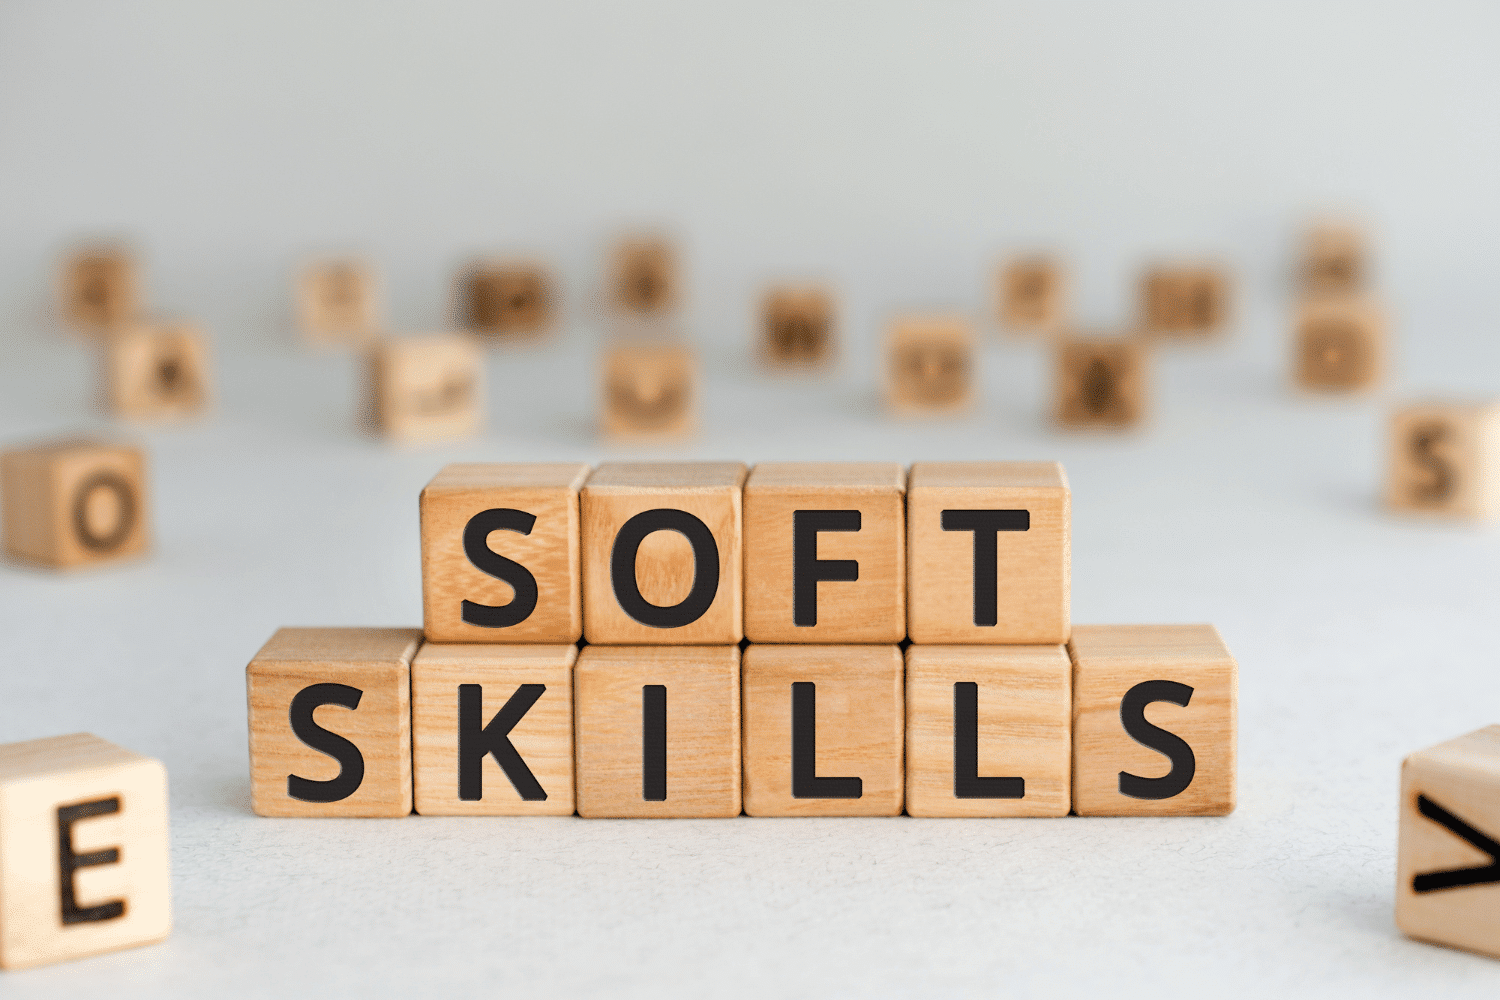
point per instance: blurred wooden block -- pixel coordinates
(338, 301)
(825, 552)
(644, 276)
(1185, 300)
(1340, 345)
(1448, 859)
(824, 730)
(650, 391)
(989, 552)
(1154, 721)
(99, 287)
(1335, 260)
(500, 544)
(74, 502)
(83, 850)
(1101, 383)
(930, 365)
(1445, 459)
(662, 553)
(988, 731)
(426, 388)
(658, 731)
(330, 722)
(156, 371)
(1033, 294)
(797, 326)
(506, 298)
(492, 729)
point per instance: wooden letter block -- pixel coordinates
(1335, 261)
(1340, 345)
(658, 731)
(1153, 721)
(825, 552)
(156, 371)
(930, 365)
(988, 731)
(74, 502)
(989, 552)
(1033, 294)
(83, 850)
(338, 301)
(492, 730)
(1448, 864)
(330, 722)
(644, 277)
(1445, 459)
(662, 553)
(500, 549)
(99, 288)
(1184, 300)
(507, 298)
(797, 326)
(427, 388)
(1101, 383)
(824, 728)
(649, 391)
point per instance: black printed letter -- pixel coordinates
(807, 568)
(654, 742)
(69, 862)
(1457, 878)
(1133, 715)
(986, 524)
(967, 784)
(351, 761)
(477, 548)
(805, 781)
(475, 740)
(705, 568)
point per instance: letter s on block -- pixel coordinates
(485, 559)
(1174, 747)
(351, 761)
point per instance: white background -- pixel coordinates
(898, 152)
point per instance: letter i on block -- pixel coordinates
(83, 850)
(1448, 869)
(500, 546)
(74, 503)
(1154, 716)
(330, 722)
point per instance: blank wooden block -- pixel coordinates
(507, 298)
(649, 391)
(99, 288)
(330, 722)
(74, 502)
(1448, 861)
(1335, 260)
(988, 731)
(644, 276)
(1340, 345)
(930, 365)
(662, 553)
(338, 301)
(1154, 721)
(500, 544)
(426, 388)
(1185, 300)
(492, 729)
(989, 552)
(1101, 383)
(658, 731)
(825, 552)
(824, 730)
(1445, 459)
(797, 326)
(83, 850)
(156, 371)
(1033, 294)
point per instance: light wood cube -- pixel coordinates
(649, 391)
(1448, 860)
(663, 551)
(988, 731)
(99, 287)
(930, 365)
(989, 552)
(797, 326)
(825, 552)
(74, 502)
(83, 850)
(338, 301)
(644, 276)
(492, 729)
(1335, 260)
(1445, 459)
(427, 388)
(506, 298)
(1154, 721)
(156, 371)
(824, 730)
(1340, 345)
(1185, 300)
(658, 731)
(1101, 383)
(330, 722)
(500, 545)
(1033, 294)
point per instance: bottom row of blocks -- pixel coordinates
(1125, 720)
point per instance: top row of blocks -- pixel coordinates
(709, 553)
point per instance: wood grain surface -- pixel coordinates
(74, 502)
